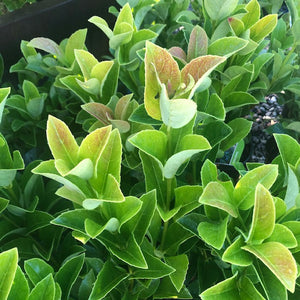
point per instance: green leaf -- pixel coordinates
(68, 273)
(75, 41)
(46, 45)
(212, 233)
(227, 46)
(189, 145)
(209, 172)
(108, 278)
(159, 64)
(20, 288)
(156, 269)
(263, 219)
(215, 107)
(176, 113)
(240, 129)
(252, 15)
(125, 16)
(226, 289)
(151, 142)
(244, 192)
(61, 142)
(238, 99)
(86, 61)
(259, 62)
(248, 291)
(235, 255)
(44, 290)
(91, 86)
(198, 43)
(289, 149)
(279, 260)
(218, 10)
(8, 268)
(282, 234)
(4, 92)
(102, 24)
(294, 227)
(37, 269)
(293, 189)
(180, 263)
(263, 27)
(216, 195)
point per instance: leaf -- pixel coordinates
(294, 227)
(108, 278)
(213, 234)
(4, 92)
(238, 99)
(263, 27)
(190, 145)
(46, 45)
(180, 263)
(282, 234)
(86, 62)
(178, 53)
(68, 273)
(75, 41)
(259, 62)
(209, 172)
(263, 219)
(98, 110)
(102, 24)
(151, 142)
(199, 68)
(279, 260)
(293, 189)
(218, 10)
(37, 269)
(227, 46)
(8, 268)
(125, 16)
(158, 63)
(289, 149)
(198, 43)
(20, 288)
(216, 195)
(248, 291)
(244, 192)
(156, 269)
(252, 15)
(44, 290)
(215, 107)
(176, 113)
(61, 142)
(234, 254)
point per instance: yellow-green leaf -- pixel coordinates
(263, 27)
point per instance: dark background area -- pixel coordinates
(54, 19)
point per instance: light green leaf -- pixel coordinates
(125, 16)
(279, 260)
(227, 46)
(259, 62)
(216, 195)
(294, 227)
(61, 142)
(108, 278)
(215, 107)
(263, 27)
(235, 255)
(212, 233)
(91, 86)
(94, 229)
(4, 92)
(263, 219)
(124, 36)
(86, 61)
(180, 263)
(102, 24)
(75, 41)
(20, 288)
(44, 290)
(189, 145)
(252, 15)
(176, 113)
(151, 142)
(293, 189)
(218, 9)
(244, 192)
(8, 268)
(282, 234)
(46, 45)
(248, 291)
(209, 172)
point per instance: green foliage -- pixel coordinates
(134, 203)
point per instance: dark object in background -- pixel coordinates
(54, 19)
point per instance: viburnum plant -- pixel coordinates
(131, 204)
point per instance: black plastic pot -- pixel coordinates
(54, 19)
